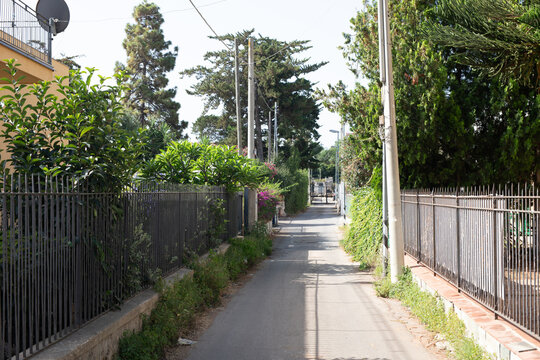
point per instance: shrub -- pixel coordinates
(266, 202)
(296, 184)
(73, 130)
(183, 162)
(364, 234)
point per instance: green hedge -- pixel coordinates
(296, 183)
(364, 234)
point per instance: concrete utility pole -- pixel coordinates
(269, 136)
(251, 101)
(237, 92)
(275, 132)
(252, 202)
(390, 143)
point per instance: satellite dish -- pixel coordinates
(55, 10)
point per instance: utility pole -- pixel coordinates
(252, 198)
(269, 136)
(251, 101)
(395, 230)
(275, 132)
(237, 91)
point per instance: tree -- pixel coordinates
(500, 37)
(149, 58)
(326, 166)
(280, 77)
(455, 127)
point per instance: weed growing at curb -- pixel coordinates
(430, 311)
(181, 301)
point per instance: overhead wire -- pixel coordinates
(210, 27)
(163, 12)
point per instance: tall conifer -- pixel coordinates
(149, 58)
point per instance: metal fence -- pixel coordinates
(20, 29)
(485, 241)
(67, 255)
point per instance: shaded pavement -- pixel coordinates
(308, 301)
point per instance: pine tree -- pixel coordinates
(149, 58)
(280, 76)
(501, 37)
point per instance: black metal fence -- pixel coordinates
(20, 28)
(485, 241)
(67, 255)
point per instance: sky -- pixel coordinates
(96, 31)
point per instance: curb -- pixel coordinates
(496, 336)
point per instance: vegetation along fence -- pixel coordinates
(67, 255)
(484, 241)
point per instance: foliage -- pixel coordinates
(68, 127)
(218, 224)
(296, 183)
(266, 202)
(154, 136)
(430, 311)
(354, 172)
(181, 301)
(364, 234)
(183, 162)
(326, 166)
(500, 37)
(280, 77)
(148, 60)
(137, 273)
(454, 126)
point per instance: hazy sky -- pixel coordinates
(97, 28)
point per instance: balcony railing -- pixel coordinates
(20, 30)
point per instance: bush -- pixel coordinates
(364, 235)
(73, 130)
(296, 185)
(266, 203)
(183, 162)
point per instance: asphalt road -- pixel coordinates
(308, 301)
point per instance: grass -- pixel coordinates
(430, 311)
(180, 302)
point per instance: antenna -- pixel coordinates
(53, 13)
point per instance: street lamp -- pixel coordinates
(336, 176)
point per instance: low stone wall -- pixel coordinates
(99, 338)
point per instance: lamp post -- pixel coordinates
(336, 176)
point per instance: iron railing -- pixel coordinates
(485, 241)
(20, 29)
(68, 255)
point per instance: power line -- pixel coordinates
(206, 22)
(163, 12)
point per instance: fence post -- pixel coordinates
(433, 228)
(495, 265)
(458, 243)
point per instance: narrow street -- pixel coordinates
(308, 301)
